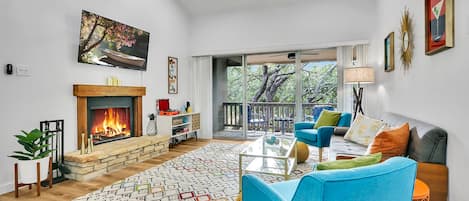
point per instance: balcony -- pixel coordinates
(263, 117)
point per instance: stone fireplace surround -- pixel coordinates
(115, 155)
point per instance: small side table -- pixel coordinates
(282, 123)
(421, 191)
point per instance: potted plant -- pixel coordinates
(36, 149)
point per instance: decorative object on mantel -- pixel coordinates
(389, 53)
(172, 75)
(407, 39)
(439, 25)
(151, 127)
(358, 75)
(34, 164)
(56, 127)
(113, 81)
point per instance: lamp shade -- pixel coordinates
(361, 75)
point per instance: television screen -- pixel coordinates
(109, 43)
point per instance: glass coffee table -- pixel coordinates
(273, 158)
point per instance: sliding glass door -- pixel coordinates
(228, 96)
(319, 80)
(270, 93)
(259, 94)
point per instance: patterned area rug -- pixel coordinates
(208, 173)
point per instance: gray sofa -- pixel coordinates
(427, 145)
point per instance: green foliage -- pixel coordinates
(235, 84)
(319, 83)
(34, 144)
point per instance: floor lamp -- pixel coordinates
(359, 76)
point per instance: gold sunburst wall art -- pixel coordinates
(407, 39)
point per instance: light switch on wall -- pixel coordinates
(22, 70)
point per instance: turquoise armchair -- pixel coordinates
(388, 181)
(320, 137)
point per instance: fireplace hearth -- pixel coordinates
(108, 113)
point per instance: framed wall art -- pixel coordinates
(439, 25)
(172, 75)
(389, 53)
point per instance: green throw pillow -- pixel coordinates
(328, 118)
(350, 163)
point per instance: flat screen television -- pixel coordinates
(110, 43)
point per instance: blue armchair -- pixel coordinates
(388, 181)
(320, 137)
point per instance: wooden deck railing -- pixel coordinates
(265, 116)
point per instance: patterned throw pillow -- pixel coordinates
(363, 130)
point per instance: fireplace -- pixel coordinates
(108, 113)
(110, 118)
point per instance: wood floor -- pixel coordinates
(69, 190)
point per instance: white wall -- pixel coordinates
(44, 36)
(434, 89)
(300, 25)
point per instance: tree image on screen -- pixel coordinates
(110, 43)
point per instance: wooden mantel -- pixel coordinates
(82, 92)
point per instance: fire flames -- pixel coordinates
(111, 122)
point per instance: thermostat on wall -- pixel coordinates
(9, 69)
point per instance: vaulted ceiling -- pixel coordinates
(202, 7)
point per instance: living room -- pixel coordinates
(41, 41)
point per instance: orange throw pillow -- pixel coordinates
(391, 142)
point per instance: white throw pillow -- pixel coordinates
(363, 130)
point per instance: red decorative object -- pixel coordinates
(163, 104)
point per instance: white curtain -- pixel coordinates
(202, 93)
